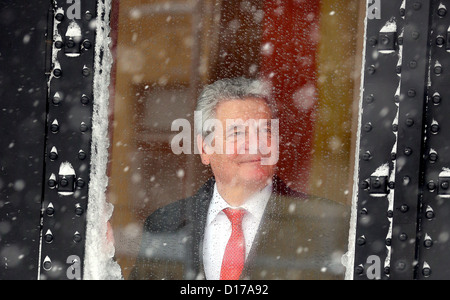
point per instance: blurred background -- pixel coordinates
(166, 50)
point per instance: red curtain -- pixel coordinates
(289, 49)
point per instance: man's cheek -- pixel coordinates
(230, 147)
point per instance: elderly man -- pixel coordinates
(244, 223)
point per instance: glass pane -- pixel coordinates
(308, 55)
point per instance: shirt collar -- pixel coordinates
(255, 205)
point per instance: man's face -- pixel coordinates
(241, 159)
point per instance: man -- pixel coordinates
(244, 223)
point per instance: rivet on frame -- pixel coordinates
(48, 237)
(53, 155)
(426, 270)
(361, 241)
(442, 11)
(408, 151)
(403, 237)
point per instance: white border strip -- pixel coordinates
(349, 258)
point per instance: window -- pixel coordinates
(167, 50)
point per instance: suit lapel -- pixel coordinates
(269, 218)
(199, 209)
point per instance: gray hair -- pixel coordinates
(230, 89)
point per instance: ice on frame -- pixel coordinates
(390, 26)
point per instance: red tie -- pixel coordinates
(234, 257)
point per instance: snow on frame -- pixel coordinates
(348, 259)
(99, 252)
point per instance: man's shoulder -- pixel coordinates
(303, 236)
(313, 207)
(171, 216)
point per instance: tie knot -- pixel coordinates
(235, 215)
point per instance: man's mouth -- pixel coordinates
(251, 161)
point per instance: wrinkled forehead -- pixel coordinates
(251, 123)
(244, 109)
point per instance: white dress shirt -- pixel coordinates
(218, 228)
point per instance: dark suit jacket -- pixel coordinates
(300, 237)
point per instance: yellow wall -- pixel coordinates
(339, 65)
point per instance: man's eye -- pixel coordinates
(236, 133)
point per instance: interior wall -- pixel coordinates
(309, 49)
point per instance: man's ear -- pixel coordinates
(204, 156)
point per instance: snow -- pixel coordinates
(403, 6)
(387, 261)
(57, 95)
(47, 259)
(429, 69)
(425, 265)
(74, 31)
(390, 26)
(391, 195)
(52, 177)
(400, 55)
(445, 172)
(56, 37)
(382, 170)
(26, 39)
(99, 252)
(437, 64)
(66, 169)
(180, 173)
(267, 49)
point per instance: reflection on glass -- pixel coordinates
(166, 53)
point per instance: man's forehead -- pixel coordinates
(246, 106)
(237, 123)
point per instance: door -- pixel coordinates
(47, 98)
(89, 93)
(23, 93)
(167, 51)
